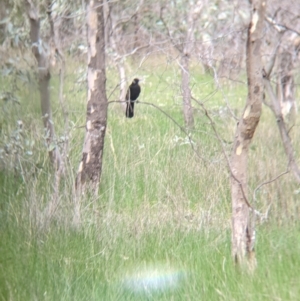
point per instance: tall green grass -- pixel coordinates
(160, 227)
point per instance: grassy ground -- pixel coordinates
(160, 228)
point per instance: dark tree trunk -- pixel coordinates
(44, 79)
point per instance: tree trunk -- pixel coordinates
(184, 64)
(286, 140)
(44, 79)
(123, 82)
(90, 167)
(285, 89)
(113, 39)
(242, 230)
(186, 92)
(286, 84)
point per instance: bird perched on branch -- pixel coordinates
(132, 94)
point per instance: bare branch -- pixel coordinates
(223, 94)
(118, 56)
(280, 27)
(286, 140)
(126, 19)
(168, 30)
(268, 70)
(268, 182)
(174, 121)
(223, 150)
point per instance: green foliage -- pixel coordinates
(160, 228)
(94, 265)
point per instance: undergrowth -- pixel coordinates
(160, 226)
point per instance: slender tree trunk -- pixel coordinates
(113, 39)
(286, 85)
(185, 64)
(186, 92)
(286, 140)
(242, 230)
(90, 167)
(55, 23)
(123, 82)
(44, 79)
(285, 66)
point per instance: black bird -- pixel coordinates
(132, 94)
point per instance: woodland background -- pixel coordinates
(159, 227)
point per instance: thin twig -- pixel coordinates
(190, 140)
(268, 182)
(223, 150)
(286, 140)
(221, 143)
(170, 117)
(223, 94)
(268, 69)
(280, 27)
(121, 56)
(168, 30)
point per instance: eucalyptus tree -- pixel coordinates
(283, 45)
(44, 75)
(179, 20)
(90, 167)
(243, 234)
(282, 52)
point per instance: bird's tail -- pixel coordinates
(129, 110)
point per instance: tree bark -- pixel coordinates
(242, 230)
(283, 90)
(186, 92)
(185, 50)
(123, 82)
(286, 140)
(286, 84)
(90, 167)
(184, 64)
(44, 79)
(114, 37)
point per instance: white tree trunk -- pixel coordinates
(90, 167)
(186, 92)
(242, 229)
(123, 83)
